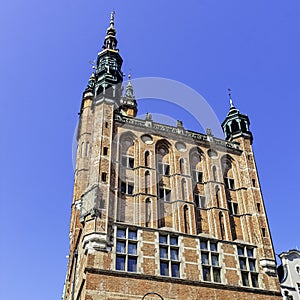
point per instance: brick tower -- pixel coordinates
(163, 216)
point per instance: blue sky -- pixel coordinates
(251, 46)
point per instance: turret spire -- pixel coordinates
(236, 124)
(110, 41)
(230, 98)
(128, 103)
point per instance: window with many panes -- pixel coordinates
(233, 207)
(164, 169)
(229, 183)
(199, 200)
(126, 249)
(247, 263)
(127, 187)
(197, 176)
(169, 256)
(128, 161)
(210, 260)
(165, 194)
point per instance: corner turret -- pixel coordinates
(236, 124)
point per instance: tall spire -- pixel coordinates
(109, 76)
(110, 41)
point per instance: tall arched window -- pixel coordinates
(196, 164)
(147, 212)
(214, 170)
(185, 218)
(163, 159)
(147, 159)
(87, 149)
(147, 182)
(181, 166)
(217, 189)
(222, 227)
(82, 149)
(184, 194)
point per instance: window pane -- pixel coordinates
(175, 270)
(243, 264)
(131, 264)
(174, 254)
(216, 274)
(131, 248)
(123, 187)
(130, 162)
(173, 241)
(167, 170)
(203, 201)
(163, 253)
(215, 260)
(163, 239)
(121, 233)
(204, 258)
(249, 252)
(164, 269)
(199, 177)
(213, 247)
(120, 263)
(168, 195)
(254, 278)
(130, 188)
(245, 279)
(196, 200)
(240, 251)
(203, 245)
(124, 161)
(160, 168)
(206, 274)
(252, 265)
(132, 235)
(120, 247)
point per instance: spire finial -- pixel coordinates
(112, 18)
(230, 98)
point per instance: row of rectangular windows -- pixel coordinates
(169, 254)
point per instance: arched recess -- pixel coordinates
(182, 166)
(147, 182)
(197, 165)
(126, 181)
(214, 171)
(222, 226)
(147, 159)
(186, 218)
(163, 155)
(229, 171)
(148, 212)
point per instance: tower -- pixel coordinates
(158, 216)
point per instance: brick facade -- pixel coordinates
(162, 209)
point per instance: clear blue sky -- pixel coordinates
(210, 45)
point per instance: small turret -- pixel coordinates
(128, 103)
(236, 124)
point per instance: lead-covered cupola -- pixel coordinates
(236, 124)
